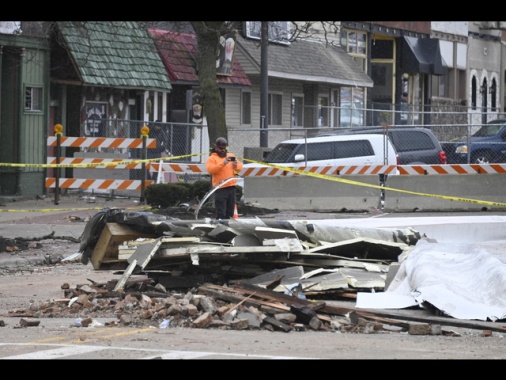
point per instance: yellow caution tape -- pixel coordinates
(357, 183)
(75, 209)
(94, 164)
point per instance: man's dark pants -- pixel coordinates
(224, 202)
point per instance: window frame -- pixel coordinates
(297, 110)
(354, 42)
(351, 106)
(245, 107)
(279, 31)
(324, 111)
(275, 106)
(29, 101)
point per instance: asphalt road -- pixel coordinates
(59, 338)
(30, 217)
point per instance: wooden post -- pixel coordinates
(58, 132)
(144, 136)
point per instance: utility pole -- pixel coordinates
(264, 84)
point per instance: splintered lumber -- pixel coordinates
(257, 296)
(278, 324)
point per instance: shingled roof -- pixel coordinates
(178, 52)
(119, 54)
(307, 60)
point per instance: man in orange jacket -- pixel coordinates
(222, 165)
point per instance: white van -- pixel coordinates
(364, 149)
(335, 150)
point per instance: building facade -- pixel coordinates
(24, 101)
(94, 78)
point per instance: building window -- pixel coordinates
(451, 84)
(96, 119)
(351, 107)
(440, 83)
(493, 95)
(245, 107)
(323, 111)
(461, 84)
(10, 27)
(279, 31)
(275, 109)
(297, 111)
(474, 90)
(33, 99)
(354, 42)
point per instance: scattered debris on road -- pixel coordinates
(240, 274)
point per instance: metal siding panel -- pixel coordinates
(233, 107)
(33, 124)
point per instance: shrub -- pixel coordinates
(167, 194)
(200, 188)
(163, 195)
(238, 193)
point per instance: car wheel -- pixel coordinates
(482, 158)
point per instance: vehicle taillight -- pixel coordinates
(442, 157)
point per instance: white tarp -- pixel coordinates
(464, 281)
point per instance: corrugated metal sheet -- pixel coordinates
(118, 54)
(178, 52)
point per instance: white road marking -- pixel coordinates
(73, 350)
(56, 353)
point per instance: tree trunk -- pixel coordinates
(208, 36)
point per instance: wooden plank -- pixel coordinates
(121, 283)
(128, 249)
(213, 249)
(112, 236)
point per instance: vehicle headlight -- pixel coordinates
(461, 149)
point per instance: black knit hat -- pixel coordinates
(221, 142)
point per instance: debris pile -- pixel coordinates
(241, 274)
(188, 253)
(237, 274)
(242, 307)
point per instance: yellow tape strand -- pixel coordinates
(75, 209)
(94, 164)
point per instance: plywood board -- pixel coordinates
(112, 236)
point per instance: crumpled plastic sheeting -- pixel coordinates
(461, 280)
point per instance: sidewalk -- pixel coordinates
(33, 217)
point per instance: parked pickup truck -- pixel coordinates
(487, 145)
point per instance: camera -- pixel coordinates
(231, 158)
